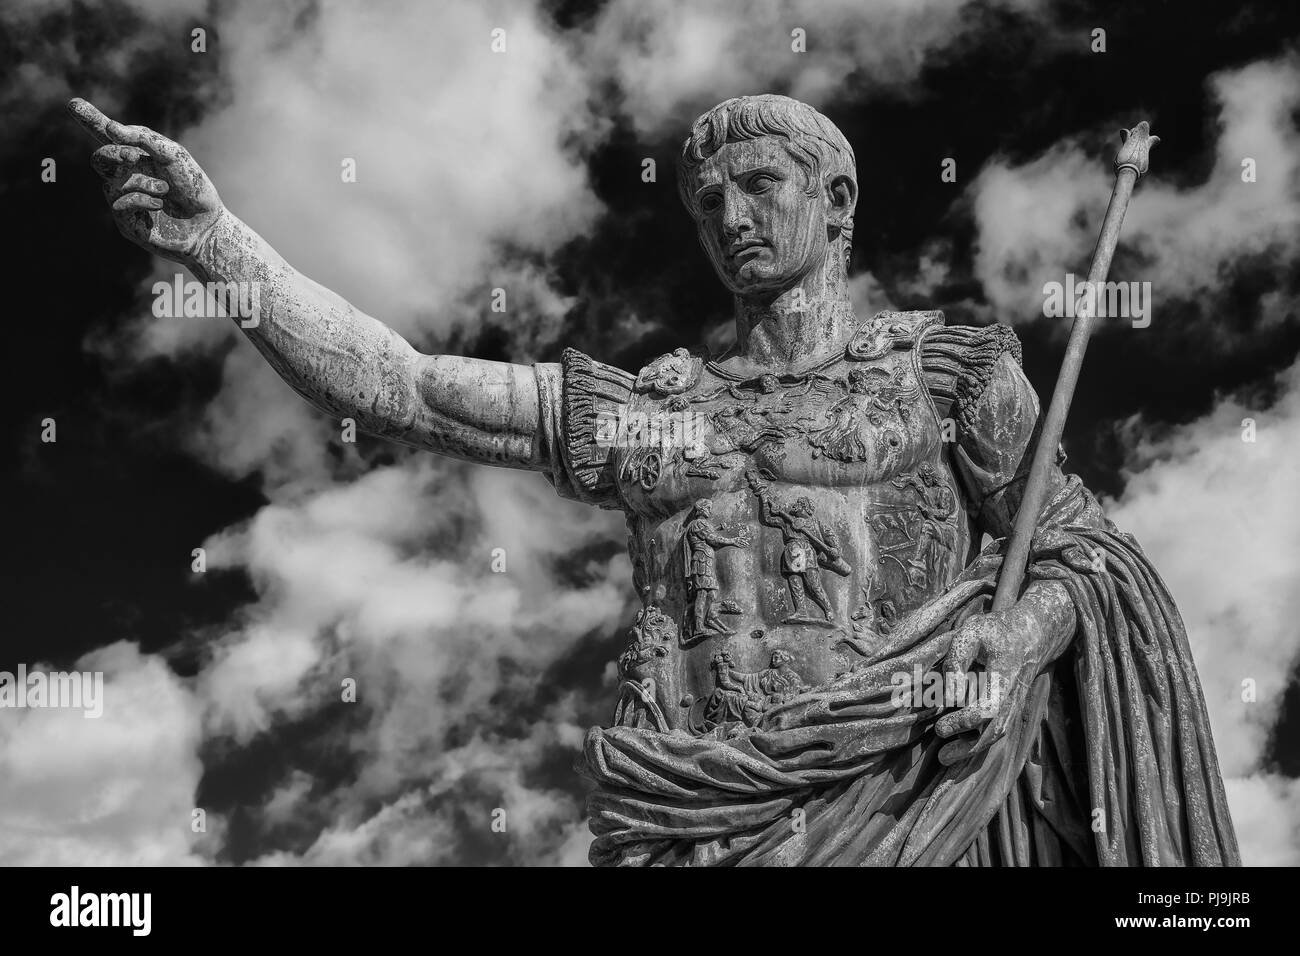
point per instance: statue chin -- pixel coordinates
(770, 273)
(755, 277)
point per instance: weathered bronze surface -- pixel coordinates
(805, 518)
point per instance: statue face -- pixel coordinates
(761, 229)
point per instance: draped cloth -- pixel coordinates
(1110, 762)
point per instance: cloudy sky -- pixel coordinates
(329, 560)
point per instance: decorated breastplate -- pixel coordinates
(781, 524)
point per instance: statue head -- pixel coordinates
(772, 185)
(803, 508)
(703, 508)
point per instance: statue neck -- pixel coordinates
(800, 326)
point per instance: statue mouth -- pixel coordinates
(739, 248)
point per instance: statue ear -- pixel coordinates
(842, 199)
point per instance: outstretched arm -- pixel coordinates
(351, 365)
(337, 357)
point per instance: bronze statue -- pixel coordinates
(886, 448)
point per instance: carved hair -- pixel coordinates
(813, 141)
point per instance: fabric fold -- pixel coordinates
(1111, 762)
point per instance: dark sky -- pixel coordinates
(101, 524)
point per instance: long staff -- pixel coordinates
(1130, 164)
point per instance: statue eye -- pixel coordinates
(761, 183)
(710, 202)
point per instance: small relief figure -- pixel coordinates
(926, 526)
(873, 619)
(698, 460)
(700, 541)
(744, 697)
(644, 466)
(765, 384)
(781, 682)
(699, 469)
(936, 504)
(875, 616)
(741, 427)
(640, 675)
(747, 424)
(873, 393)
(808, 547)
(730, 700)
(669, 374)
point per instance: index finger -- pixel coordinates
(91, 120)
(111, 132)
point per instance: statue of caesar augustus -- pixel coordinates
(841, 476)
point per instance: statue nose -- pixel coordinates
(734, 226)
(735, 216)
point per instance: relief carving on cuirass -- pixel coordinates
(737, 428)
(706, 434)
(701, 539)
(669, 374)
(808, 547)
(875, 398)
(778, 517)
(916, 540)
(645, 671)
(679, 428)
(743, 697)
(885, 331)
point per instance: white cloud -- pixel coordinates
(386, 579)
(468, 161)
(1266, 811)
(476, 791)
(117, 790)
(1040, 220)
(673, 59)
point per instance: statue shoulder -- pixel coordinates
(959, 362)
(886, 331)
(592, 398)
(673, 373)
(585, 377)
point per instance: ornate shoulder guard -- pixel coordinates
(670, 374)
(959, 361)
(593, 397)
(886, 331)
